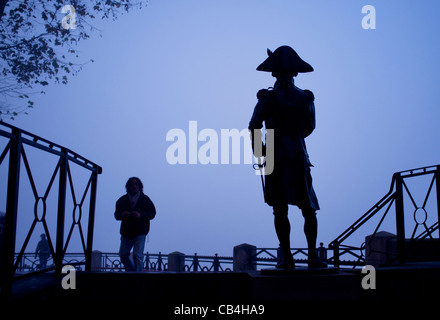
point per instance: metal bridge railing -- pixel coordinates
(29, 263)
(110, 262)
(51, 202)
(424, 220)
(270, 257)
(214, 263)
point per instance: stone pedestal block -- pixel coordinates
(96, 260)
(176, 261)
(381, 249)
(244, 257)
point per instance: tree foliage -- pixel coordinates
(35, 48)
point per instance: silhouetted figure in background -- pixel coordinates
(43, 251)
(135, 210)
(290, 112)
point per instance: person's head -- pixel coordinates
(42, 236)
(134, 185)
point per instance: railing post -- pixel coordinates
(322, 252)
(196, 262)
(147, 261)
(216, 263)
(400, 219)
(336, 261)
(159, 262)
(7, 272)
(96, 171)
(437, 187)
(59, 251)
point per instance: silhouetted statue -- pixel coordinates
(290, 112)
(135, 210)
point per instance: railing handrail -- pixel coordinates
(36, 140)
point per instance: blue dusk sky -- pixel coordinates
(157, 69)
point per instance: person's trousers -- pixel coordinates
(136, 243)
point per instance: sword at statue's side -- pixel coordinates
(259, 166)
(258, 149)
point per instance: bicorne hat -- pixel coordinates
(284, 60)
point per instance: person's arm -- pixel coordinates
(258, 115)
(309, 120)
(120, 212)
(148, 210)
(256, 122)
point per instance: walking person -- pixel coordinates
(290, 112)
(43, 251)
(134, 210)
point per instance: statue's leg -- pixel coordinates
(282, 228)
(311, 232)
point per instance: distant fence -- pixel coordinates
(110, 262)
(246, 258)
(30, 263)
(161, 262)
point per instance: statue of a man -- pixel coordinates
(290, 112)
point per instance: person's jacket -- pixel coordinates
(132, 226)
